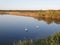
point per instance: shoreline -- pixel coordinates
(55, 14)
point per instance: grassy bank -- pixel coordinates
(52, 40)
(38, 12)
(54, 14)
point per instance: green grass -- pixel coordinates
(51, 40)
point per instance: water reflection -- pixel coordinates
(49, 20)
(14, 28)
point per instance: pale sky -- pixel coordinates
(29, 4)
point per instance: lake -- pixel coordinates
(14, 28)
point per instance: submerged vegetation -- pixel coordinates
(51, 40)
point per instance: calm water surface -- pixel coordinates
(14, 28)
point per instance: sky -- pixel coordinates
(29, 4)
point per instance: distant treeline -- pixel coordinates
(55, 14)
(19, 10)
(29, 10)
(40, 12)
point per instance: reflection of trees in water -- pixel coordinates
(49, 20)
(57, 21)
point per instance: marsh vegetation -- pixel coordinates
(55, 14)
(51, 40)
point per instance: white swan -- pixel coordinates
(26, 29)
(37, 26)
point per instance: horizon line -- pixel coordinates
(29, 9)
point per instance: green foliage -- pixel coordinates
(51, 40)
